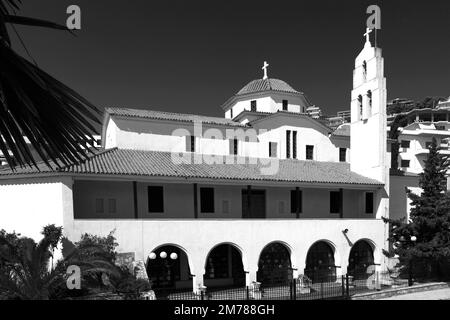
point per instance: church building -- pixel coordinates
(265, 193)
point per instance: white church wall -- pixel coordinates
(198, 237)
(30, 204)
(308, 133)
(158, 136)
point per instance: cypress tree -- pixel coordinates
(429, 223)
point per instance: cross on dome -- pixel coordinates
(265, 70)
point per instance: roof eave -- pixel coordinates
(162, 178)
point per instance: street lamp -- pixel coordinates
(405, 241)
(410, 275)
(163, 265)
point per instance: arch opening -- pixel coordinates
(360, 258)
(168, 268)
(320, 263)
(274, 265)
(224, 267)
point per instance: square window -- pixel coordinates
(253, 105)
(288, 144)
(285, 105)
(273, 149)
(294, 144)
(405, 163)
(342, 154)
(155, 199)
(207, 200)
(335, 202)
(309, 152)
(405, 143)
(296, 202)
(369, 202)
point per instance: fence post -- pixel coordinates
(347, 286)
(321, 289)
(290, 291)
(248, 292)
(294, 285)
(343, 285)
(378, 286)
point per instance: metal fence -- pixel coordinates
(303, 288)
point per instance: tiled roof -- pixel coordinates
(160, 164)
(259, 85)
(161, 115)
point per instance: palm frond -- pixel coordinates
(26, 21)
(36, 110)
(56, 120)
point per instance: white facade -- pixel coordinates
(414, 140)
(157, 135)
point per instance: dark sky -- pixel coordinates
(190, 56)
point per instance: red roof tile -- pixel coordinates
(259, 85)
(159, 164)
(162, 115)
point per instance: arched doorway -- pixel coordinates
(168, 268)
(320, 265)
(274, 265)
(224, 268)
(360, 258)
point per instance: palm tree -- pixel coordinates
(34, 106)
(24, 265)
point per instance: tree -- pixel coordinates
(425, 239)
(34, 106)
(24, 265)
(399, 121)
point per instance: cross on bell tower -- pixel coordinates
(265, 66)
(368, 31)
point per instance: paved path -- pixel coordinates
(439, 294)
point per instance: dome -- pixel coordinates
(260, 85)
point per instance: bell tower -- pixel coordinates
(368, 115)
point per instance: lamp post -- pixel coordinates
(412, 240)
(405, 242)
